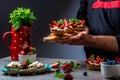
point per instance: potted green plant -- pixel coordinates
(22, 20)
(22, 17)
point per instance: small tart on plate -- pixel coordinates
(94, 62)
(12, 68)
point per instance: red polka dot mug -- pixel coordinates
(18, 39)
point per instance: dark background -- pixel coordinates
(45, 11)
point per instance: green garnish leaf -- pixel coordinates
(58, 62)
(59, 75)
(74, 20)
(28, 61)
(33, 49)
(60, 21)
(77, 66)
(72, 63)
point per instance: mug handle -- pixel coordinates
(4, 39)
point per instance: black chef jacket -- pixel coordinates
(103, 18)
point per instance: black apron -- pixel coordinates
(104, 19)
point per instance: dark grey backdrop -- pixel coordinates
(45, 11)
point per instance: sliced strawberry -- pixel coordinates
(70, 24)
(75, 25)
(82, 21)
(50, 25)
(55, 23)
(62, 26)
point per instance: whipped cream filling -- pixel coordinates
(14, 64)
(81, 25)
(59, 29)
(35, 64)
(65, 28)
(93, 63)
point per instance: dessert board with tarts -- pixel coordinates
(63, 29)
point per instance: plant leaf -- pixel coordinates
(17, 25)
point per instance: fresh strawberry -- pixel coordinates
(55, 65)
(117, 59)
(68, 76)
(67, 66)
(26, 49)
(22, 52)
(25, 64)
(29, 53)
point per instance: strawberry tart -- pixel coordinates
(93, 63)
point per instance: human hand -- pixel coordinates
(81, 38)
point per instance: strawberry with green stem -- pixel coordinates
(68, 76)
(56, 64)
(67, 66)
(26, 63)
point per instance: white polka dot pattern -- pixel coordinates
(14, 47)
(21, 39)
(21, 32)
(14, 40)
(20, 45)
(15, 34)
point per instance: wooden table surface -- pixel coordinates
(77, 74)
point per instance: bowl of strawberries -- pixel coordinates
(27, 52)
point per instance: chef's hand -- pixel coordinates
(82, 38)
